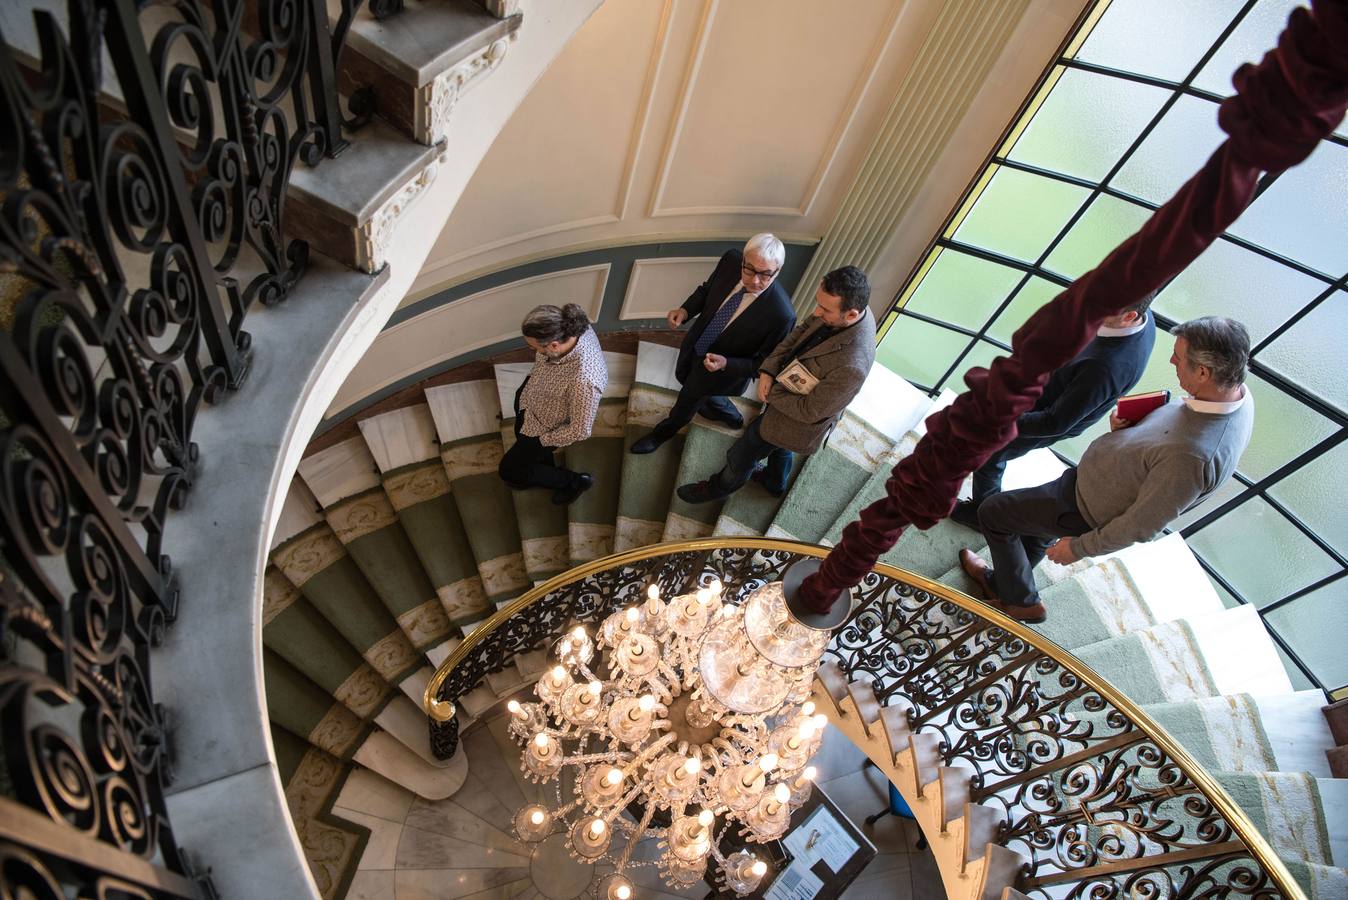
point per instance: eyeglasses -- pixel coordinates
(749, 270)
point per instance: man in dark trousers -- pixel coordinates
(1130, 483)
(805, 384)
(1076, 397)
(739, 314)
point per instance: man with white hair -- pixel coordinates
(739, 314)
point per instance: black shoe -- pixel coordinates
(966, 513)
(566, 496)
(648, 444)
(700, 492)
(771, 482)
(726, 415)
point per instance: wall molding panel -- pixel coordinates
(658, 285)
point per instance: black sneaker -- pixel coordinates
(726, 415)
(966, 513)
(648, 444)
(566, 496)
(700, 492)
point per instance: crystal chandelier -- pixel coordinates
(691, 715)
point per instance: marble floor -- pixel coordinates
(463, 847)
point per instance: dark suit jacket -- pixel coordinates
(800, 423)
(745, 343)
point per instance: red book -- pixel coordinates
(1134, 408)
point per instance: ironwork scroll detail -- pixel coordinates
(142, 214)
(1087, 798)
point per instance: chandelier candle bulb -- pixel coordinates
(691, 704)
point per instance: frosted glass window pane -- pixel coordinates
(962, 289)
(1029, 298)
(1232, 281)
(1104, 226)
(1311, 352)
(1086, 123)
(1304, 214)
(1156, 37)
(1254, 36)
(1283, 428)
(919, 351)
(982, 354)
(1176, 148)
(1260, 553)
(1231, 488)
(1314, 626)
(1317, 494)
(1018, 214)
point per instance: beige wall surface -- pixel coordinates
(686, 120)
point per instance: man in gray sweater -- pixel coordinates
(1130, 483)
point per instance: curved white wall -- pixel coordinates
(696, 120)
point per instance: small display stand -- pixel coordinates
(818, 857)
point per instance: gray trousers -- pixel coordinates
(1020, 526)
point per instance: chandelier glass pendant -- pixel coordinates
(692, 716)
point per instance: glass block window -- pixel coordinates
(1121, 120)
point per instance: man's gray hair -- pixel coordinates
(1220, 344)
(766, 247)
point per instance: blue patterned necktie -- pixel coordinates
(718, 323)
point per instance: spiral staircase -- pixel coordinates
(398, 540)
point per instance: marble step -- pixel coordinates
(307, 552)
(1227, 652)
(339, 204)
(1246, 733)
(648, 480)
(544, 538)
(704, 454)
(345, 481)
(467, 425)
(590, 520)
(405, 447)
(421, 60)
(1302, 816)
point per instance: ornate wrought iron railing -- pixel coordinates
(142, 214)
(1097, 798)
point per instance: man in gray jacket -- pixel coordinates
(1130, 483)
(805, 384)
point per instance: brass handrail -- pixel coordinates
(1253, 840)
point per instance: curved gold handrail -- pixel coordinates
(443, 710)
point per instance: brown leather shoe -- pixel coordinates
(977, 568)
(1032, 615)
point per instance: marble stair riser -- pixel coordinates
(294, 630)
(406, 449)
(590, 519)
(311, 780)
(304, 709)
(647, 482)
(467, 422)
(315, 562)
(1223, 653)
(704, 453)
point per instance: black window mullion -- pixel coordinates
(1300, 314)
(1308, 589)
(1260, 489)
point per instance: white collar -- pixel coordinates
(1105, 331)
(1219, 407)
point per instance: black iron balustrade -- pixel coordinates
(1092, 793)
(142, 214)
